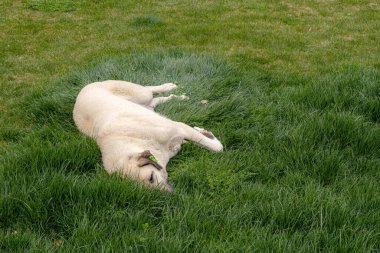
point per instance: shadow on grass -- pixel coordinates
(147, 21)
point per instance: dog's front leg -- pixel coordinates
(201, 137)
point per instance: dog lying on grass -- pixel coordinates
(134, 140)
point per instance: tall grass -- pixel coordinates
(293, 92)
(299, 172)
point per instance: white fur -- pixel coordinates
(119, 115)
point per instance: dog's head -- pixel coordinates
(151, 172)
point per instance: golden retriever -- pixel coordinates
(134, 140)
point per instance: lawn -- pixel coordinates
(294, 95)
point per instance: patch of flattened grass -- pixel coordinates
(52, 5)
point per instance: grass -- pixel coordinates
(293, 90)
(51, 6)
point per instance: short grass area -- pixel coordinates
(294, 95)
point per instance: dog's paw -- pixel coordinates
(169, 86)
(218, 146)
(184, 97)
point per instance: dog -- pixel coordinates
(134, 140)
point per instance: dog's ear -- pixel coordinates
(146, 158)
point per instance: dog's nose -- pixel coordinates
(170, 189)
(167, 187)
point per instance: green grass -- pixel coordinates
(52, 5)
(147, 21)
(293, 91)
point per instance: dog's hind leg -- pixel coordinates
(130, 91)
(201, 137)
(160, 100)
(162, 88)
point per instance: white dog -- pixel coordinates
(134, 140)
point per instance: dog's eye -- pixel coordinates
(151, 179)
